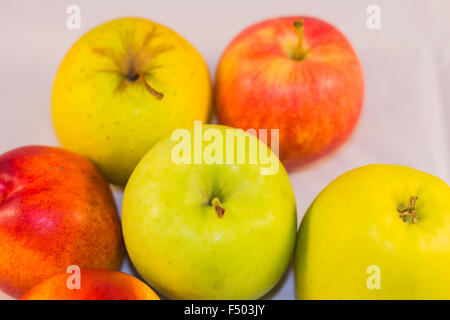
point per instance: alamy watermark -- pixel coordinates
(374, 280)
(74, 19)
(74, 280)
(233, 148)
(373, 21)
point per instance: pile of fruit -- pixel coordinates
(130, 105)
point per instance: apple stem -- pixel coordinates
(299, 53)
(410, 211)
(215, 202)
(158, 95)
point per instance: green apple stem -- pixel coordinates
(158, 95)
(215, 202)
(408, 214)
(299, 52)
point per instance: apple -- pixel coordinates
(95, 284)
(296, 74)
(376, 232)
(56, 210)
(122, 87)
(209, 230)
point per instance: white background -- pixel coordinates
(406, 65)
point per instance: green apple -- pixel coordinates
(376, 232)
(209, 231)
(122, 87)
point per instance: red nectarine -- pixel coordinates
(96, 284)
(56, 210)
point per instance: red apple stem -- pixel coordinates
(158, 95)
(299, 52)
(215, 202)
(409, 212)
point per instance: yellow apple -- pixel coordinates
(376, 232)
(122, 87)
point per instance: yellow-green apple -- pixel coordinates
(122, 87)
(296, 74)
(209, 229)
(94, 284)
(376, 232)
(56, 210)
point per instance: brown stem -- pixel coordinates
(410, 211)
(215, 202)
(299, 52)
(158, 95)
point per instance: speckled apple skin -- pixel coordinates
(56, 210)
(315, 103)
(96, 284)
(113, 122)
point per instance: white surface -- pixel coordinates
(406, 65)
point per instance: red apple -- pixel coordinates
(56, 210)
(95, 284)
(296, 74)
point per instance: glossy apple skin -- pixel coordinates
(354, 223)
(56, 210)
(178, 243)
(315, 102)
(96, 284)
